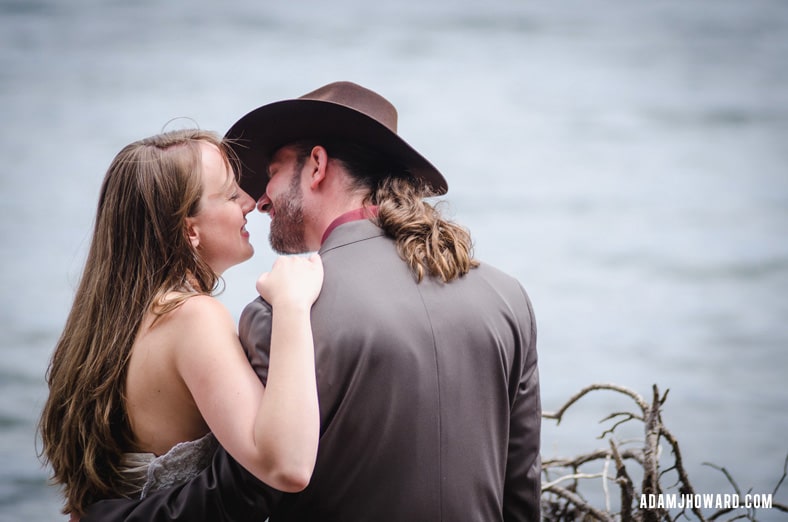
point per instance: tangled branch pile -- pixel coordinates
(563, 501)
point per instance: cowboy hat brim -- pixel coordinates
(257, 135)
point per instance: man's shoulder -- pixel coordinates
(503, 284)
(494, 274)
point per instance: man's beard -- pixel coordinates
(286, 234)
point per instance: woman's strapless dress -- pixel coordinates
(145, 472)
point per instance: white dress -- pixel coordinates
(145, 472)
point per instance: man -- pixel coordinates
(426, 359)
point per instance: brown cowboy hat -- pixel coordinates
(338, 110)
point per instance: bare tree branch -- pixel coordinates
(727, 475)
(614, 387)
(625, 483)
(628, 417)
(589, 457)
(574, 476)
(650, 456)
(780, 482)
(580, 503)
(685, 487)
(566, 504)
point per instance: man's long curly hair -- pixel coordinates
(430, 244)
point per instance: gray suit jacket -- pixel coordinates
(429, 400)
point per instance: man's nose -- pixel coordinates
(264, 203)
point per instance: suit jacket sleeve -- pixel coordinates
(223, 492)
(522, 488)
(254, 329)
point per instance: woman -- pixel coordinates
(149, 368)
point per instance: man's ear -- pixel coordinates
(193, 233)
(319, 163)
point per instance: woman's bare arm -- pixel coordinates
(272, 432)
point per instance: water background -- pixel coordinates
(626, 161)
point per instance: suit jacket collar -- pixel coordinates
(351, 232)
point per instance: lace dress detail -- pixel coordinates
(145, 472)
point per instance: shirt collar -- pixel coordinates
(347, 217)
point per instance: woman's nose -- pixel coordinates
(248, 203)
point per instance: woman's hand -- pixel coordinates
(293, 280)
(287, 427)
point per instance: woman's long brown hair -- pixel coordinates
(139, 253)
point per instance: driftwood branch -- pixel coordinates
(685, 486)
(572, 477)
(576, 462)
(558, 415)
(581, 504)
(627, 488)
(782, 479)
(628, 416)
(563, 504)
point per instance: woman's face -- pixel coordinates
(218, 230)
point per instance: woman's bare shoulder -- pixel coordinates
(200, 308)
(198, 318)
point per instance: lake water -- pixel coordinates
(627, 161)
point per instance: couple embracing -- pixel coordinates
(388, 377)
